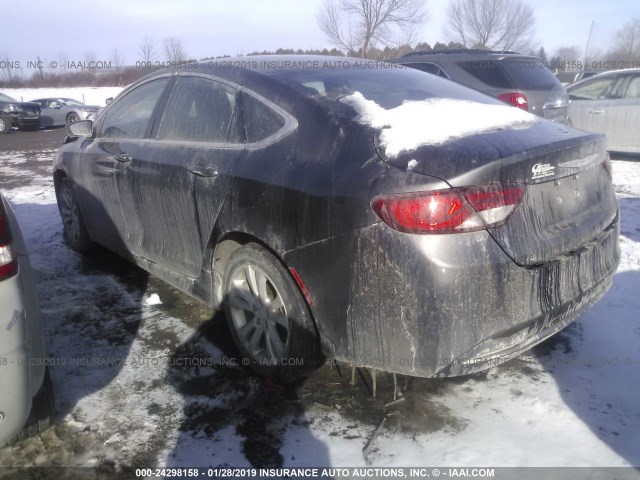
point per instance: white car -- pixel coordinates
(609, 103)
(26, 397)
(57, 111)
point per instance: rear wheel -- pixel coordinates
(268, 317)
(5, 124)
(75, 232)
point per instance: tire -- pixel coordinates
(42, 409)
(268, 317)
(75, 232)
(72, 117)
(5, 124)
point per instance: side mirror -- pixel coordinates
(83, 128)
(108, 100)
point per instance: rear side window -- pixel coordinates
(129, 116)
(530, 75)
(260, 121)
(487, 71)
(199, 110)
(633, 90)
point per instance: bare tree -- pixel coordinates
(90, 60)
(147, 51)
(566, 59)
(493, 24)
(117, 58)
(174, 50)
(61, 65)
(40, 63)
(627, 45)
(359, 25)
(7, 66)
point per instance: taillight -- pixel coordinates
(8, 266)
(454, 210)
(516, 99)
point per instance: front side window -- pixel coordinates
(128, 117)
(199, 110)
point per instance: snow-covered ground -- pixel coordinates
(145, 376)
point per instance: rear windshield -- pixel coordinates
(388, 87)
(530, 75)
(487, 71)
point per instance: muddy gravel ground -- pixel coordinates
(146, 376)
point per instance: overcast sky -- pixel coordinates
(211, 28)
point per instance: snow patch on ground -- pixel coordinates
(88, 95)
(433, 121)
(153, 299)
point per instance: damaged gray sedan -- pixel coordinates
(366, 212)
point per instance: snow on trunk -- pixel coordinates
(434, 120)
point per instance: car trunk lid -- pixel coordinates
(569, 197)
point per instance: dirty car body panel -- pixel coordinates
(296, 170)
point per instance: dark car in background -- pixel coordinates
(60, 111)
(520, 80)
(377, 215)
(24, 115)
(609, 103)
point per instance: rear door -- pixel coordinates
(588, 102)
(622, 115)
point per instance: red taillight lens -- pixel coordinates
(7, 260)
(453, 210)
(516, 99)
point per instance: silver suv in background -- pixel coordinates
(520, 80)
(26, 398)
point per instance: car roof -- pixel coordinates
(611, 73)
(254, 69)
(459, 53)
(53, 98)
(267, 64)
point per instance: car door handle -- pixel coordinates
(596, 112)
(123, 158)
(202, 171)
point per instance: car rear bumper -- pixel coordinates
(444, 305)
(15, 399)
(22, 354)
